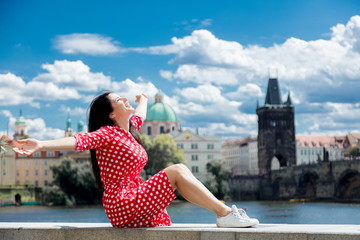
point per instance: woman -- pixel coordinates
(118, 157)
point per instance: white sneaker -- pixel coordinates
(237, 218)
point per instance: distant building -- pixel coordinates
(312, 149)
(7, 165)
(240, 155)
(68, 130)
(198, 151)
(276, 130)
(20, 127)
(35, 169)
(160, 118)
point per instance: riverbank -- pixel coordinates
(99, 231)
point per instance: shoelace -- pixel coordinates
(240, 213)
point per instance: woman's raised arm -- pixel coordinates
(142, 106)
(29, 146)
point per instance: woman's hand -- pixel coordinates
(138, 97)
(27, 146)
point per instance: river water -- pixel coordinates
(184, 212)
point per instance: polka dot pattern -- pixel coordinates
(128, 202)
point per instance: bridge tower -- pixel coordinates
(276, 130)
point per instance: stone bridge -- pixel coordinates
(338, 180)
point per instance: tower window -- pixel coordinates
(149, 132)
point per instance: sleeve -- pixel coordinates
(136, 121)
(92, 140)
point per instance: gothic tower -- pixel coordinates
(276, 133)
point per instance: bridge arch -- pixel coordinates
(278, 161)
(307, 185)
(348, 185)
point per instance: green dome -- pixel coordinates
(20, 120)
(80, 126)
(160, 112)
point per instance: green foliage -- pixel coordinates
(162, 152)
(73, 184)
(354, 151)
(217, 182)
(3, 144)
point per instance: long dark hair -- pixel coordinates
(99, 112)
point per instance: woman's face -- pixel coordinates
(120, 105)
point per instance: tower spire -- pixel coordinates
(273, 93)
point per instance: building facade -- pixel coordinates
(240, 155)
(20, 170)
(313, 149)
(198, 151)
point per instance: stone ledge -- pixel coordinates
(89, 231)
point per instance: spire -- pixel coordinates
(159, 97)
(288, 101)
(273, 93)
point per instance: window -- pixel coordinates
(50, 154)
(46, 163)
(4, 172)
(45, 173)
(194, 157)
(27, 163)
(37, 163)
(4, 162)
(46, 183)
(17, 163)
(180, 145)
(36, 172)
(210, 146)
(149, 130)
(210, 157)
(194, 169)
(194, 146)
(27, 172)
(36, 183)
(17, 173)
(162, 129)
(173, 128)
(37, 154)
(17, 183)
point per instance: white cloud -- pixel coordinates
(75, 75)
(38, 129)
(13, 90)
(166, 74)
(201, 94)
(246, 92)
(130, 89)
(86, 43)
(6, 113)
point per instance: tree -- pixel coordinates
(354, 151)
(75, 181)
(162, 152)
(217, 182)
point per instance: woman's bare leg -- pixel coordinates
(193, 190)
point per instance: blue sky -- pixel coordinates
(210, 58)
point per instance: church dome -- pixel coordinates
(20, 120)
(160, 111)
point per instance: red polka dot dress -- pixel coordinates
(128, 202)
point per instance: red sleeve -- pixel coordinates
(136, 121)
(92, 140)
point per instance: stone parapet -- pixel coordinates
(98, 231)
